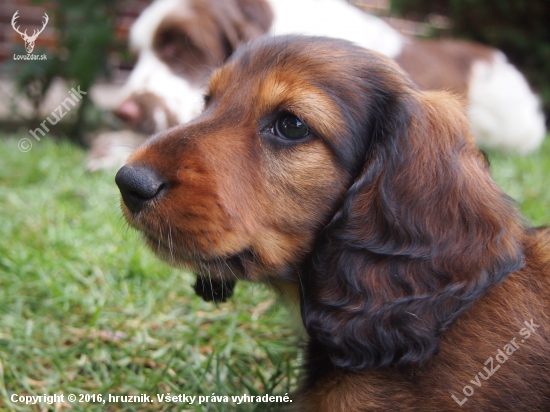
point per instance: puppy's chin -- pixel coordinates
(217, 275)
(218, 267)
(212, 290)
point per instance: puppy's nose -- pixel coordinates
(128, 111)
(139, 185)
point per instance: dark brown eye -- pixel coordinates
(290, 127)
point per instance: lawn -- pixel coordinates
(86, 309)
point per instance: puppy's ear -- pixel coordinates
(423, 232)
(212, 290)
(242, 21)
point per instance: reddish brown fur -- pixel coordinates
(199, 36)
(228, 188)
(520, 384)
(413, 266)
(442, 64)
(192, 40)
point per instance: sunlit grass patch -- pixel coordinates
(86, 308)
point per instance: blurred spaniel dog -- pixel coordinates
(320, 167)
(179, 42)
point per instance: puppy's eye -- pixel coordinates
(290, 127)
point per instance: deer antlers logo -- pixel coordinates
(29, 40)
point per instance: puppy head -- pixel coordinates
(179, 43)
(243, 190)
(318, 162)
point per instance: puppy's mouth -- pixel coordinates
(217, 251)
(234, 266)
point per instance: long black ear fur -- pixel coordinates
(423, 232)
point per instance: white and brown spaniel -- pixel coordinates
(320, 168)
(179, 43)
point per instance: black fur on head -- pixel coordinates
(423, 231)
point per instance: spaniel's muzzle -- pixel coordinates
(180, 42)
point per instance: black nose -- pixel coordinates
(138, 185)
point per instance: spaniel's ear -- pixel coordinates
(423, 232)
(259, 14)
(212, 290)
(242, 21)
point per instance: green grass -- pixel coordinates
(85, 308)
(527, 180)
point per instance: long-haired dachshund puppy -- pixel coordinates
(319, 166)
